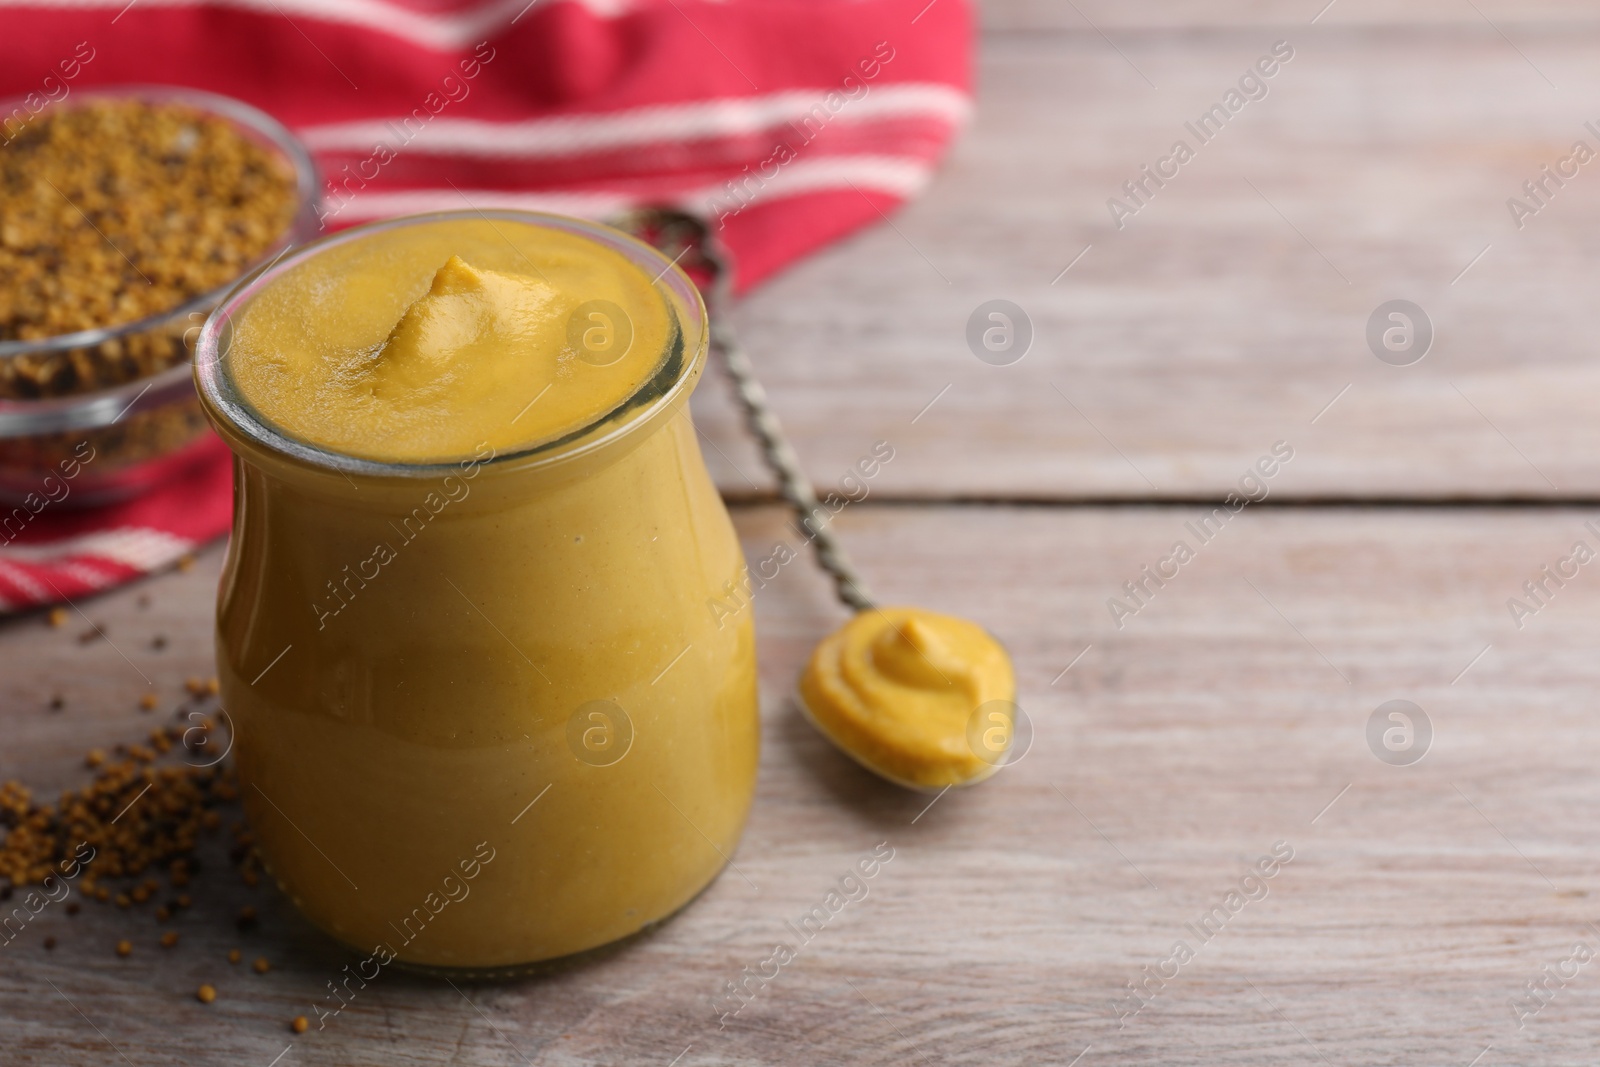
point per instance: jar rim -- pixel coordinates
(253, 123)
(230, 410)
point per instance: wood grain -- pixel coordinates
(1182, 15)
(1230, 310)
(1227, 715)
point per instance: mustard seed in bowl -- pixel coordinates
(125, 214)
(116, 210)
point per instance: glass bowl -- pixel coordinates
(114, 442)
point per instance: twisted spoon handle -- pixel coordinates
(665, 228)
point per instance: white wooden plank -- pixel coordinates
(1217, 721)
(1230, 310)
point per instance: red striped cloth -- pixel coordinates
(792, 122)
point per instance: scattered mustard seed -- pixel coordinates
(169, 939)
(206, 994)
(213, 686)
(124, 948)
(261, 966)
(136, 816)
(148, 702)
(186, 563)
(234, 956)
(299, 1025)
(57, 617)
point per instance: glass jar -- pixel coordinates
(487, 712)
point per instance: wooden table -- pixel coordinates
(1227, 716)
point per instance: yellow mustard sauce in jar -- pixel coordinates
(484, 716)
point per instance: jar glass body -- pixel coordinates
(492, 714)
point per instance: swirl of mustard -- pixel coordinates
(898, 690)
(421, 344)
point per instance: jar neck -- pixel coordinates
(491, 474)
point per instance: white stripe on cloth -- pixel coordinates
(578, 134)
(132, 546)
(900, 177)
(22, 580)
(379, 205)
(442, 32)
(86, 571)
